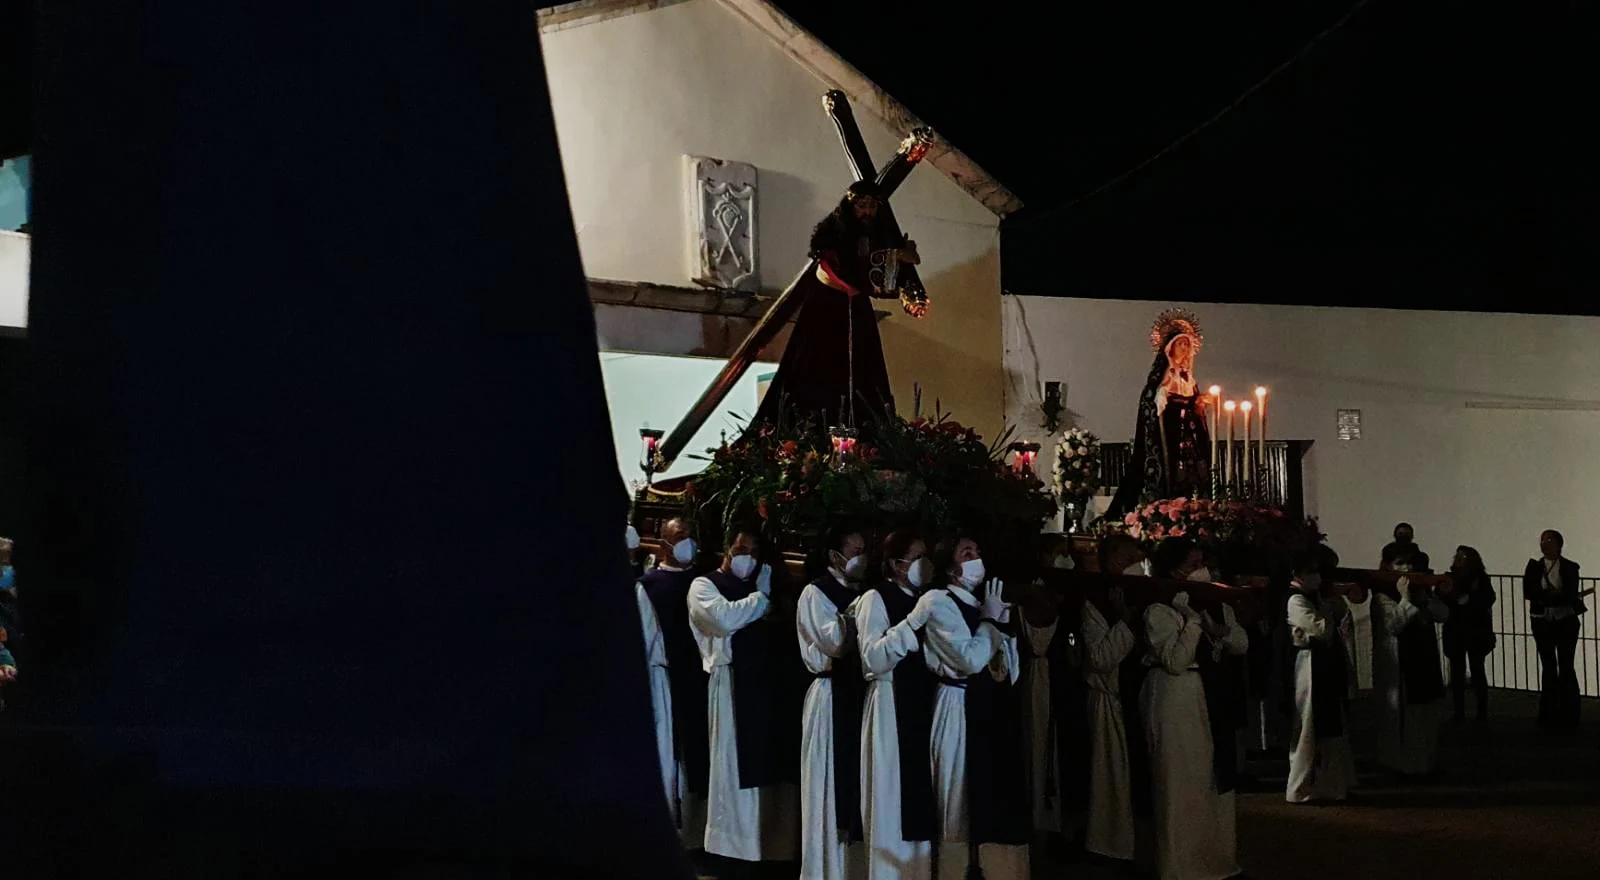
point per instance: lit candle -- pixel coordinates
(1227, 455)
(1246, 473)
(1261, 413)
(1216, 415)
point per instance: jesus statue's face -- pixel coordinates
(1180, 352)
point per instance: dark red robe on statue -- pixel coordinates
(814, 376)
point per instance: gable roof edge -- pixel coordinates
(826, 65)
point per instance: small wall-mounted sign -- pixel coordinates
(1349, 424)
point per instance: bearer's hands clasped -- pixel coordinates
(995, 607)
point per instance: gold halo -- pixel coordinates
(1175, 321)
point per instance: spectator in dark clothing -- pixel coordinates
(1469, 631)
(1403, 554)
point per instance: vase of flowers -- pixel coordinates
(1077, 473)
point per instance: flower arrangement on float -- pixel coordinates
(933, 474)
(1076, 474)
(1223, 524)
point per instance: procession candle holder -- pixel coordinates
(1247, 470)
(844, 442)
(1026, 454)
(1215, 392)
(1230, 408)
(650, 454)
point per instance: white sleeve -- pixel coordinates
(715, 616)
(882, 646)
(950, 644)
(655, 647)
(1396, 615)
(1305, 616)
(1104, 648)
(821, 629)
(1173, 637)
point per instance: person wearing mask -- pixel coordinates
(1110, 830)
(1180, 559)
(751, 812)
(1364, 706)
(667, 588)
(1121, 554)
(830, 727)
(1055, 552)
(979, 776)
(1193, 803)
(655, 653)
(899, 818)
(1403, 554)
(635, 556)
(1409, 679)
(1055, 728)
(1321, 767)
(1550, 587)
(1469, 631)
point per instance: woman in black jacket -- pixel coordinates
(1469, 631)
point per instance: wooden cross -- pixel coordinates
(913, 297)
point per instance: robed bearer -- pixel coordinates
(979, 779)
(899, 818)
(683, 724)
(751, 810)
(830, 731)
(1195, 815)
(1110, 831)
(1321, 766)
(1410, 678)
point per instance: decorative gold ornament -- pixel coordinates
(1175, 321)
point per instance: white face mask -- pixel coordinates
(920, 573)
(684, 551)
(633, 538)
(1063, 561)
(1137, 569)
(743, 566)
(972, 573)
(1201, 575)
(855, 568)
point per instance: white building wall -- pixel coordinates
(14, 250)
(632, 95)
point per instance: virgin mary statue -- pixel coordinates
(1171, 447)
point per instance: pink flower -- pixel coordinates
(1158, 533)
(1177, 532)
(1132, 519)
(1135, 530)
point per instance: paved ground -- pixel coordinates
(1510, 803)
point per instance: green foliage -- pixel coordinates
(935, 475)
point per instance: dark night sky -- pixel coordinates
(1424, 154)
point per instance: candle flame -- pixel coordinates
(1245, 406)
(1261, 391)
(1230, 405)
(1214, 390)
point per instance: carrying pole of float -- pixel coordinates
(783, 308)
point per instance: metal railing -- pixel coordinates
(1514, 664)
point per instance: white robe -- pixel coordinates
(655, 651)
(1320, 767)
(1111, 830)
(1196, 828)
(952, 651)
(1361, 729)
(824, 634)
(1408, 734)
(1036, 725)
(882, 646)
(749, 824)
